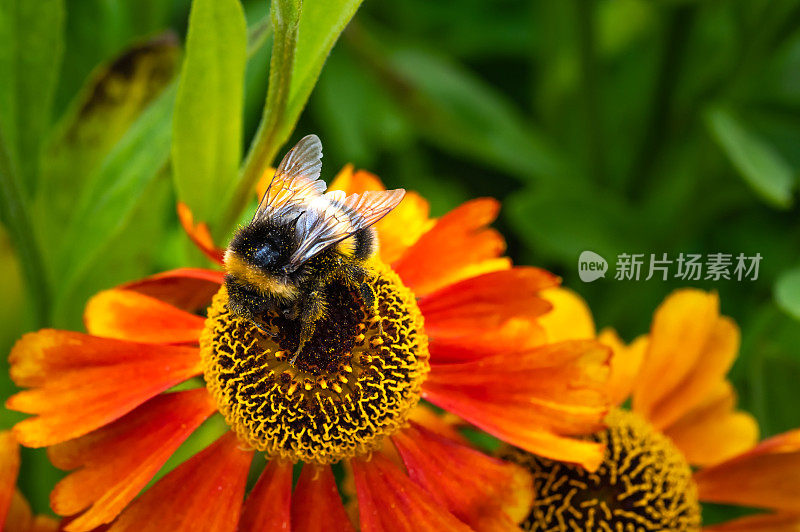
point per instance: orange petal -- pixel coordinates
(316, 503)
(268, 507)
(9, 469)
(459, 246)
(691, 348)
(570, 318)
(713, 431)
(780, 522)
(626, 360)
(708, 371)
(188, 289)
(531, 399)
(203, 494)
(118, 460)
(21, 519)
(355, 182)
(444, 425)
(264, 182)
(515, 335)
(767, 476)
(130, 315)
(388, 501)
(199, 234)
(487, 301)
(483, 492)
(78, 381)
(43, 523)
(487, 314)
(402, 227)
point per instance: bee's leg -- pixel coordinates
(264, 330)
(306, 332)
(310, 311)
(370, 300)
(292, 312)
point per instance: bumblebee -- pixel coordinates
(301, 239)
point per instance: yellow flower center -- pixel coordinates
(643, 484)
(354, 383)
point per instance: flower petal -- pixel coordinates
(767, 476)
(459, 246)
(268, 507)
(21, 519)
(316, 503)
(531, 399)
(780, 522)
(119, 460)
(691, 349)
(570, 318)
(264, 182)
(515, 335)
(9, 469)
(77, 381)
(130, 315)
(488, 314)
(388, 501)
(203, 494)
(199, 234)
(626, 361)
(445, 424)
(483, 492)
(708, 372)
(487, 301)
(355, 182)
(399, 229)
(713, 431)
(188, 289)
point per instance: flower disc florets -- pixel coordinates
(353, 384)
(644, 484)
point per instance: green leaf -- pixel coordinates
(116, 188)
(112, 99)
(15, 213)
(31, 42)
(761, 166)
(588, 219)
(98, 30)
(461, 113)
(305, 33)
(787, 292)
(321, 23)
(207, 124)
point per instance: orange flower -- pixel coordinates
(15, 512)
(683, 413)
(103, 402)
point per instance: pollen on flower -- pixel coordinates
(354, 383)
(644, 484)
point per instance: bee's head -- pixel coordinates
(263, 247)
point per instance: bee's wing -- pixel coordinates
(334, 217)
(296, 181)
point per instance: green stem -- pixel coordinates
(271, 133)
(15, 215)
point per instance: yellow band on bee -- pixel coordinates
(268, 284)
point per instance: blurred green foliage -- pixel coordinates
(617, 126)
